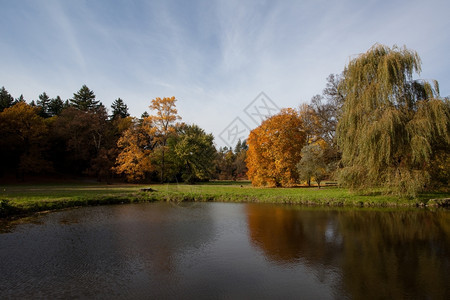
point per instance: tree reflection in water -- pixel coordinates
(390, 254)
(226, 250)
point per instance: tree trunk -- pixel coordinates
(162, 165)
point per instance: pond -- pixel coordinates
(226, 250)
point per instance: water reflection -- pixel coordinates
(224, 250)
(396, 254)
(116, 250)
(287, 235)
(391, 255)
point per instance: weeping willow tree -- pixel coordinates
(393, 129)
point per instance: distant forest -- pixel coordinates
(373, 128)
(77, 137)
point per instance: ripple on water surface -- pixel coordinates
(192, 250)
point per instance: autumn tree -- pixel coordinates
(311, 123)
(80, 136)
(274, 150)
(137, 144)
(24, 140)
(105, 143)
(144, 146)
(321, 117)
(390, 122)
(327, 109)
(230, 163)
(163, 121)
(224, 164)
(84, 99)
(312, 165)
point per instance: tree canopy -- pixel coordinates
(312, 165)
(135, 157)
(156, 145)
(164, 122)
(274, 150)
(194, 150)
(374, 127)
(24, 139)
(390, 122)
(119, 109)
(43, 104)
(84, 99)
(6, 100)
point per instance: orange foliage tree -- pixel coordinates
(136, 144)
(144, 144)
(274, 150)
(164, 125)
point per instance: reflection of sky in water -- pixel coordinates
(201, 250)
(332, 235)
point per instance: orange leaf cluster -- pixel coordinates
(273, 150)
(137, 143)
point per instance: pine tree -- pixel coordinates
(43, 103)
(55, 106)
(119, 109)
(84, 99)
(6, 100)
(20, 99)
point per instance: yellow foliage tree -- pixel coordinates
(164, 126)
(274, 150)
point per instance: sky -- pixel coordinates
(220, 59)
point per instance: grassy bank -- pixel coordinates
(22, 199)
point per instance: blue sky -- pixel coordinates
(214, 56)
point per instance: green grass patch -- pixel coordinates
(22, 199)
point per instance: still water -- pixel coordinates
(225, 250)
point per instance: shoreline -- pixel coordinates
(16, 206)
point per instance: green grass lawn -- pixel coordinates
(17, 199)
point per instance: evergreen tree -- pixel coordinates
(20, 99)
(43, 103)
(240, 145)
(144, 115)
(6, 100)
(66, 104)
(119, 109)
(55, 106)
(84, 99)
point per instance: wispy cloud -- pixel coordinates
(215, 56)
(59, 19)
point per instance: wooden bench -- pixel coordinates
(148, 190)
